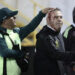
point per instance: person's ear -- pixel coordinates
(4, 21)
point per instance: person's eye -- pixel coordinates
(61, 17)
(14, 17)
(56, 17)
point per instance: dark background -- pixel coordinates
(30, 70)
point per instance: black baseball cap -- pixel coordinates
(6, 12)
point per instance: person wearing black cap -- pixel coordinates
(10, 39)
(69, 41)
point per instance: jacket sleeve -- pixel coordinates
(5, 52)
(55, 54)
(24, 31)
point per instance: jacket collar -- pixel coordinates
(73, 24)
(50, 27)
(50, 31)
(3, 29)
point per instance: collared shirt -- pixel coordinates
(73, 24)
(50, 27)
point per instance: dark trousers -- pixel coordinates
(70, 70)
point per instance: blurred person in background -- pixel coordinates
(11, 37)
(69, 41)
(50, 52)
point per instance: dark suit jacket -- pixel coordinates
(69, 41)
(50, 53)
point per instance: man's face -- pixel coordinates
(10, 22)
(55, 20)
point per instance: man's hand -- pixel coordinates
(46, 10)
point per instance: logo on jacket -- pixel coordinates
(57, 43)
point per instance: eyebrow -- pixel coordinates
(58, 16)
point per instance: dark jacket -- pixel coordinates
(69, 38)
(49, 53)
(69, 41)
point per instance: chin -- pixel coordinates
(58, 29)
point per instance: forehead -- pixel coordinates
(57, 13)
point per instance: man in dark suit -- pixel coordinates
(69, 41)
(50, 52)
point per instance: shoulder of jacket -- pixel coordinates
(41, 35)
(65, 34)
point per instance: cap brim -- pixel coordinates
(13, 13)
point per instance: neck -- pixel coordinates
(50, 27)
(7, 27)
